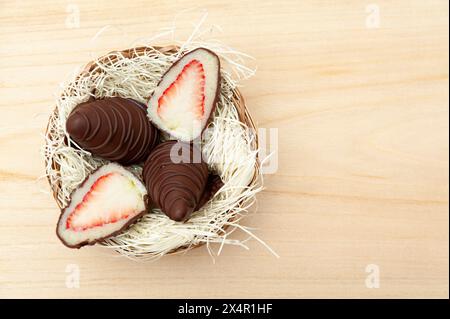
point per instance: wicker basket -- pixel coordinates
(92, 68)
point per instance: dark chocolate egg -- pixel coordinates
(175, 176)
(115, 128)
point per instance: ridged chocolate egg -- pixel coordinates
(115, 128)
(175, 176)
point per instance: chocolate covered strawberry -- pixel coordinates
(114, 128)
(175, 176)
(186, 96)
(108, 201)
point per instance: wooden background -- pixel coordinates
(362, 113)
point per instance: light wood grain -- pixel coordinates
(363, 149)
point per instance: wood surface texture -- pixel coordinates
(362, 111)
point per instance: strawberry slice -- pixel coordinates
(186, 96)
(109, 200)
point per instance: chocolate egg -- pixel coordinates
(115, 128)
(175, 176)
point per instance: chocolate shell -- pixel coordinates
(115, 128)
(213, 184)
(175, 176)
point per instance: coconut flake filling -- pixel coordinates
(104, 204)
(183, 110)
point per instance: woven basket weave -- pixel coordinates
(92, 68)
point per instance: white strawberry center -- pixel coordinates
(111, 198)
(181, 106)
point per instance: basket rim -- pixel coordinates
(92, 67)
